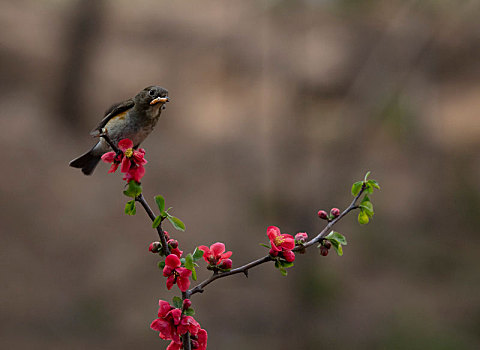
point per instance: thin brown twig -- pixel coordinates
(141, 199)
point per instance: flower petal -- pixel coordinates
(272, 232)
(226, 255)
(172, 261)
(170, 281)
(113, 168)
(288, 243)
(125, 144)
(109, 157)
(125, 165)
(164, 308)
(217, 249)
(183, 283)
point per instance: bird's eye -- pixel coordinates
(152, 92)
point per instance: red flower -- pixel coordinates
(132, 161)
(171, 324)
(169, 319)
(279, 241)
(176, 273)
(215, 254)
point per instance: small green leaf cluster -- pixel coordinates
(164, 214)
(337, 240)
(366, 206)
(134, 189)
(190, 261)
(282, 265)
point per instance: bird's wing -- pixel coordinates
(113, 111)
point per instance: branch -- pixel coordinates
(244, 269)
(104, 134)
(161, 234)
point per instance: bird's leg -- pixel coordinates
(104, 134)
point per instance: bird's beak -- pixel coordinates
(160, 99)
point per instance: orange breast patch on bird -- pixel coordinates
(120, 116)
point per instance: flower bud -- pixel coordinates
(167, 237)
(173, 243)
(322, 214)
(335, 212)
(323, 251)
(155, 247)
(186, 304)
(195, 344)
(301, 237)
(288, 255)
(273, 252)
(327, 244)
(226, 264)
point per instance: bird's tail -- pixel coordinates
(87, 162)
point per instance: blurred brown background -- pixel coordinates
(277, 108)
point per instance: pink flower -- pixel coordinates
(301, 237)
(279, 241)
(132, 161)
(215, 254)
(175, 273)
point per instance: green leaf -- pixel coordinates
(160, 203)
(363, 217)
(161, 264)
(367, 207)
(177, 302)
(130, 207)
(373, 183)
(338, 237)
(366, 176)
(265, 245)
(286, 264)
(338, 247)
(189, 312)
(182, 260)
(356, 187)
(133, 190)
(283, 271)
(197, 254)
(176, 222)
(157, 221)
(189, 262)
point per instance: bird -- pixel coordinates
(132, 119)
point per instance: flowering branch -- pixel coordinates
(175, 321)
(244, 269)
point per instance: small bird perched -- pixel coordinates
(132, 119)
